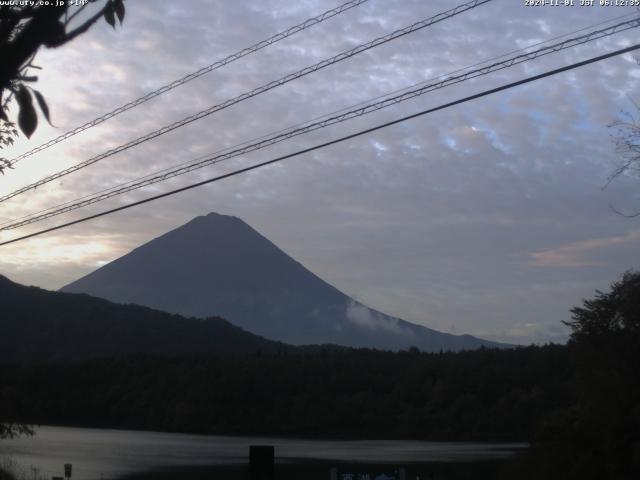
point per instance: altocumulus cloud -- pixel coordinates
(488, 218)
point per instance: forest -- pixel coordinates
(486, 394)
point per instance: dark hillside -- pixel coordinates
(38, 325)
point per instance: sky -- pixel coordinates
(489, 218)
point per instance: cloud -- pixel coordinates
(365, 317)
(577, 254)
(539, 333)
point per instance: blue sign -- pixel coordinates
(368, 474)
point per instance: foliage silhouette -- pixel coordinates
(598, 435)
(24, 28)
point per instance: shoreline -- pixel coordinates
(320, 470)
(515, 442)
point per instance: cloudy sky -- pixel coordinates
(489, 218)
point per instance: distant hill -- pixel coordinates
(219, 265)
(38, 325)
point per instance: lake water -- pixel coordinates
(104, 454)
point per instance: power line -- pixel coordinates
(262, 89)
(333, 142)
(310, 22)
(246, 142)
(343, 109)
(287, 134)
(332, 120)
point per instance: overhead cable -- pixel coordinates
(325, 122)
(310, 22)
(330, 142)
(257, 91)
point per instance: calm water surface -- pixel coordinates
(103, 454)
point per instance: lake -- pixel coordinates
(104, 454)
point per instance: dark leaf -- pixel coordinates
(55, 34)
(109, 15)
(119, 8)
(27, 118)
(3, 115)
(43, 105)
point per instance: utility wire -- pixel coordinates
(216, 157)
(423, 82)
(310, 22)
(262, 89)
(343, 109)
(333, 142)
(287, 134)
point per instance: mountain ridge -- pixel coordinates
(39, 326)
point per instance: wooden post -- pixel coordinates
(261, 462)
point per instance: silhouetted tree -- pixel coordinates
(12, 403)
(11, 430)
(599, 435)
(626, 135)
(609, 316)
(24, 28)
(627, 140)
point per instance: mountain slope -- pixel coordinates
(219, 265)
(38, 325)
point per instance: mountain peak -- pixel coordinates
(219, 215)
(218, 265)
(215, 217)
